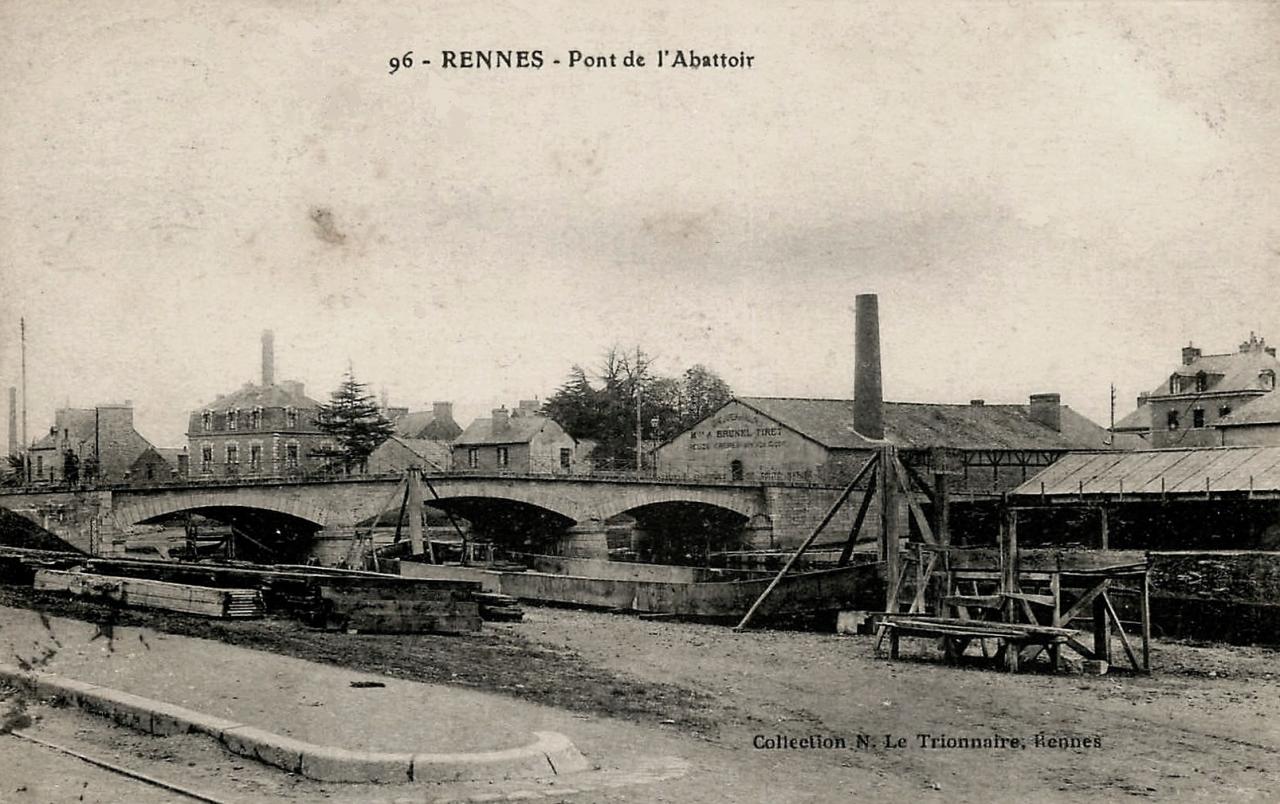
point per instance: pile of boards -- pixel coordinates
(150, 594)
(344, 600)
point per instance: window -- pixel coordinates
(565, 456)
(1268, 379)
(206, 421)
(151, 471)
(206, 457)
(39, 465)
(231, 419)
(291, 456)
(1173, 384)
(735, 470)
(1225, 410)
(504, 458)
(1202, 382)
(1172, 419)
(255, 419)
(473, 458)
(255, 457)
(1197, 417)
(233, 453)
(290, 417)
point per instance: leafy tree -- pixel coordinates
(605, 410)
(352, 418)
(15, 470)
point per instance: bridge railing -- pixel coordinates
(815, 479)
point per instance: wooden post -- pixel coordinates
(415, 512)
(1103, 525)
(1101, 626)
(1008, 554)
(942, 508)
(889, 527)
(1146, 620)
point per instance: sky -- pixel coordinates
(1046, 197)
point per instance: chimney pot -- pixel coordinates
(868, 392)
(1190, 354)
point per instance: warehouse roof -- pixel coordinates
(1191, 472)
(922, 425)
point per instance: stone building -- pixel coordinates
(156, 464)
(995, 447)
(259, 430)
(520, 440)
(436, 424)
(101, 441)
(1211, 400)
(398, 453)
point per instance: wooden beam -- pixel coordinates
(889, 525)
(847, 553)
(942, 507)
(1145, 606)
(926, 532)
(1124, 638)
(831, 512)
(1084, 601)
(1103, 526)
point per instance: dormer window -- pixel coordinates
(1173, 384)
(206, 421)
(1202, 382)
(1267, 378)
(231, 419)
(290, 417)
(255, 418)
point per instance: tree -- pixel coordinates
(605, 410)
(15, 470)
(352, 418)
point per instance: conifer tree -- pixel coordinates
(353, 419)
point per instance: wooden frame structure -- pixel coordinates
(1026, 601)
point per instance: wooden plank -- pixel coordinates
(1080, 604)
(1145, 609)
(847, 552)
(926, 532)
(1124, 638)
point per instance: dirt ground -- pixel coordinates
(1205, 726)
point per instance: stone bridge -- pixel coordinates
(575, 507)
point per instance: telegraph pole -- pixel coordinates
(26, 465)
(639, 439)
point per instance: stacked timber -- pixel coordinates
(150, 594)
(398, 609)
(495, 607)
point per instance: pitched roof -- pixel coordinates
(425, 424)
(1139, 419)
(1262, 410)
(433, 452)
(518, 430)
(1156, 473)
(79, 424)
(920, 425)
(1239, 371)
(264, 396)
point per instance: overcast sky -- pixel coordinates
(1046, 197)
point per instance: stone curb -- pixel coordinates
(551, 753)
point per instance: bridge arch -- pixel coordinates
(151, 508)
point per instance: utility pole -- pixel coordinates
(1111, 431)
(22, 323)
(639, 437)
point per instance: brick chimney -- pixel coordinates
(1047, 410)
(528, 407)
(1190, 354)
(268, 357)
(501, 419)
(442, 411)
(1254, 344)
(868, 393)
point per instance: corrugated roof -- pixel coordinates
(921, 425)
(1156, 473)
(518, 430)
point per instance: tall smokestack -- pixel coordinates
(868, 394)
(268, 357)
(14, 448)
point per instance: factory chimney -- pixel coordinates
(268, 358)
(14, 447)
(868, 394)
